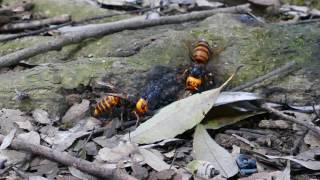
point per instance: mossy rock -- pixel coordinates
(125, 57)
(310, 3)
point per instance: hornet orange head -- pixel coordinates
(193, 83)
(141, 106)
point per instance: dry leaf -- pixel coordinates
(177, 117)
(25, 125)
(41, 116)
(164, 174)
(8, 139)
(206, 4)
(161, 143)
(8, 118)
(182, 174)
(76, 173)
(13, 157)
(266, 176)
(312, 139)
(123, 152)
(76, 112)
(224, 121)
(206, 149)
(30, 137)
(285, 175)
(44, 167)
(108, 142)
(310, 164)
(153, 160)
(64, 139)
(139, 172)
(274, 124)
(37, 178)
(305, 109)
(231, 97)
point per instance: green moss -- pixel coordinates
(310, 3)
(82, 72)
(260, 49)
(269, 48)
(77, 9)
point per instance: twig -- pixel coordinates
(66, 159)
(297, 143)
(243, 133)
(86, 20)
(282, 70)
(87, 140)
(307, 124)
(109, 28)
(35, 24)
(244, 140)
(256, 18)
(316, 113)
(174, 158)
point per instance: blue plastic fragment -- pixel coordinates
(246, 164)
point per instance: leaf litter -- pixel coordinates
(182, 134)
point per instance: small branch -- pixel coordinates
(109, 28)
(66, 159)
(307, 124)
(174, 158)
(282, 70)
(86, 20)
(35, 24)
(5, 38)
(10, 10)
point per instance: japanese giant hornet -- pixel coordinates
(196, 78)
(197, 75)
(201, 52)
(126, 103)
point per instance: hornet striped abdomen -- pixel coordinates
(106, 104)
(201, 52)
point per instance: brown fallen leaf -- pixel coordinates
(41, 116)
(164, 174)
(285, 175)
(124, 151)
(206, 149)
(266, 176)
(153, 160)
(8, 139)
(76, 112)
(312, 139)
